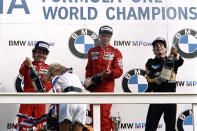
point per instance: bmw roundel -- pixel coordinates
(186, 42)
(185, 119)
(135, 81)
(81, 41)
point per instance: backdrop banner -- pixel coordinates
(71, 28)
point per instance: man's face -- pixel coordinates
(40, 55)
(105, 39)
(159, 49)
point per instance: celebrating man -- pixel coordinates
(161, 76)
(103, 67)
(39, 52)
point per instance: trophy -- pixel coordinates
(116, 121)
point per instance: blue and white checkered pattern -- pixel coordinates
(188, 43)
(188, 121)
(83, 43)
(137, 84)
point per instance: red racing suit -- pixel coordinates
(98, 60)
(34, 110)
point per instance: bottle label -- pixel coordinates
(166, 74)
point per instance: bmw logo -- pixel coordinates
(186, 43)
(184, 119)
(81, 41)
(135, 81)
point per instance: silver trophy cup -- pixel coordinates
(116, 121)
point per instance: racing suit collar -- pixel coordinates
(160, 60)
(105, 47)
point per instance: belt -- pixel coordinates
(71, 88)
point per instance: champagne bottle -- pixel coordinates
(36, 80)
(167, 69)
(91, 83)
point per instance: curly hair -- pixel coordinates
(54, 69)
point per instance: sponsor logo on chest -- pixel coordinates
(95, 55)
(108, 56)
